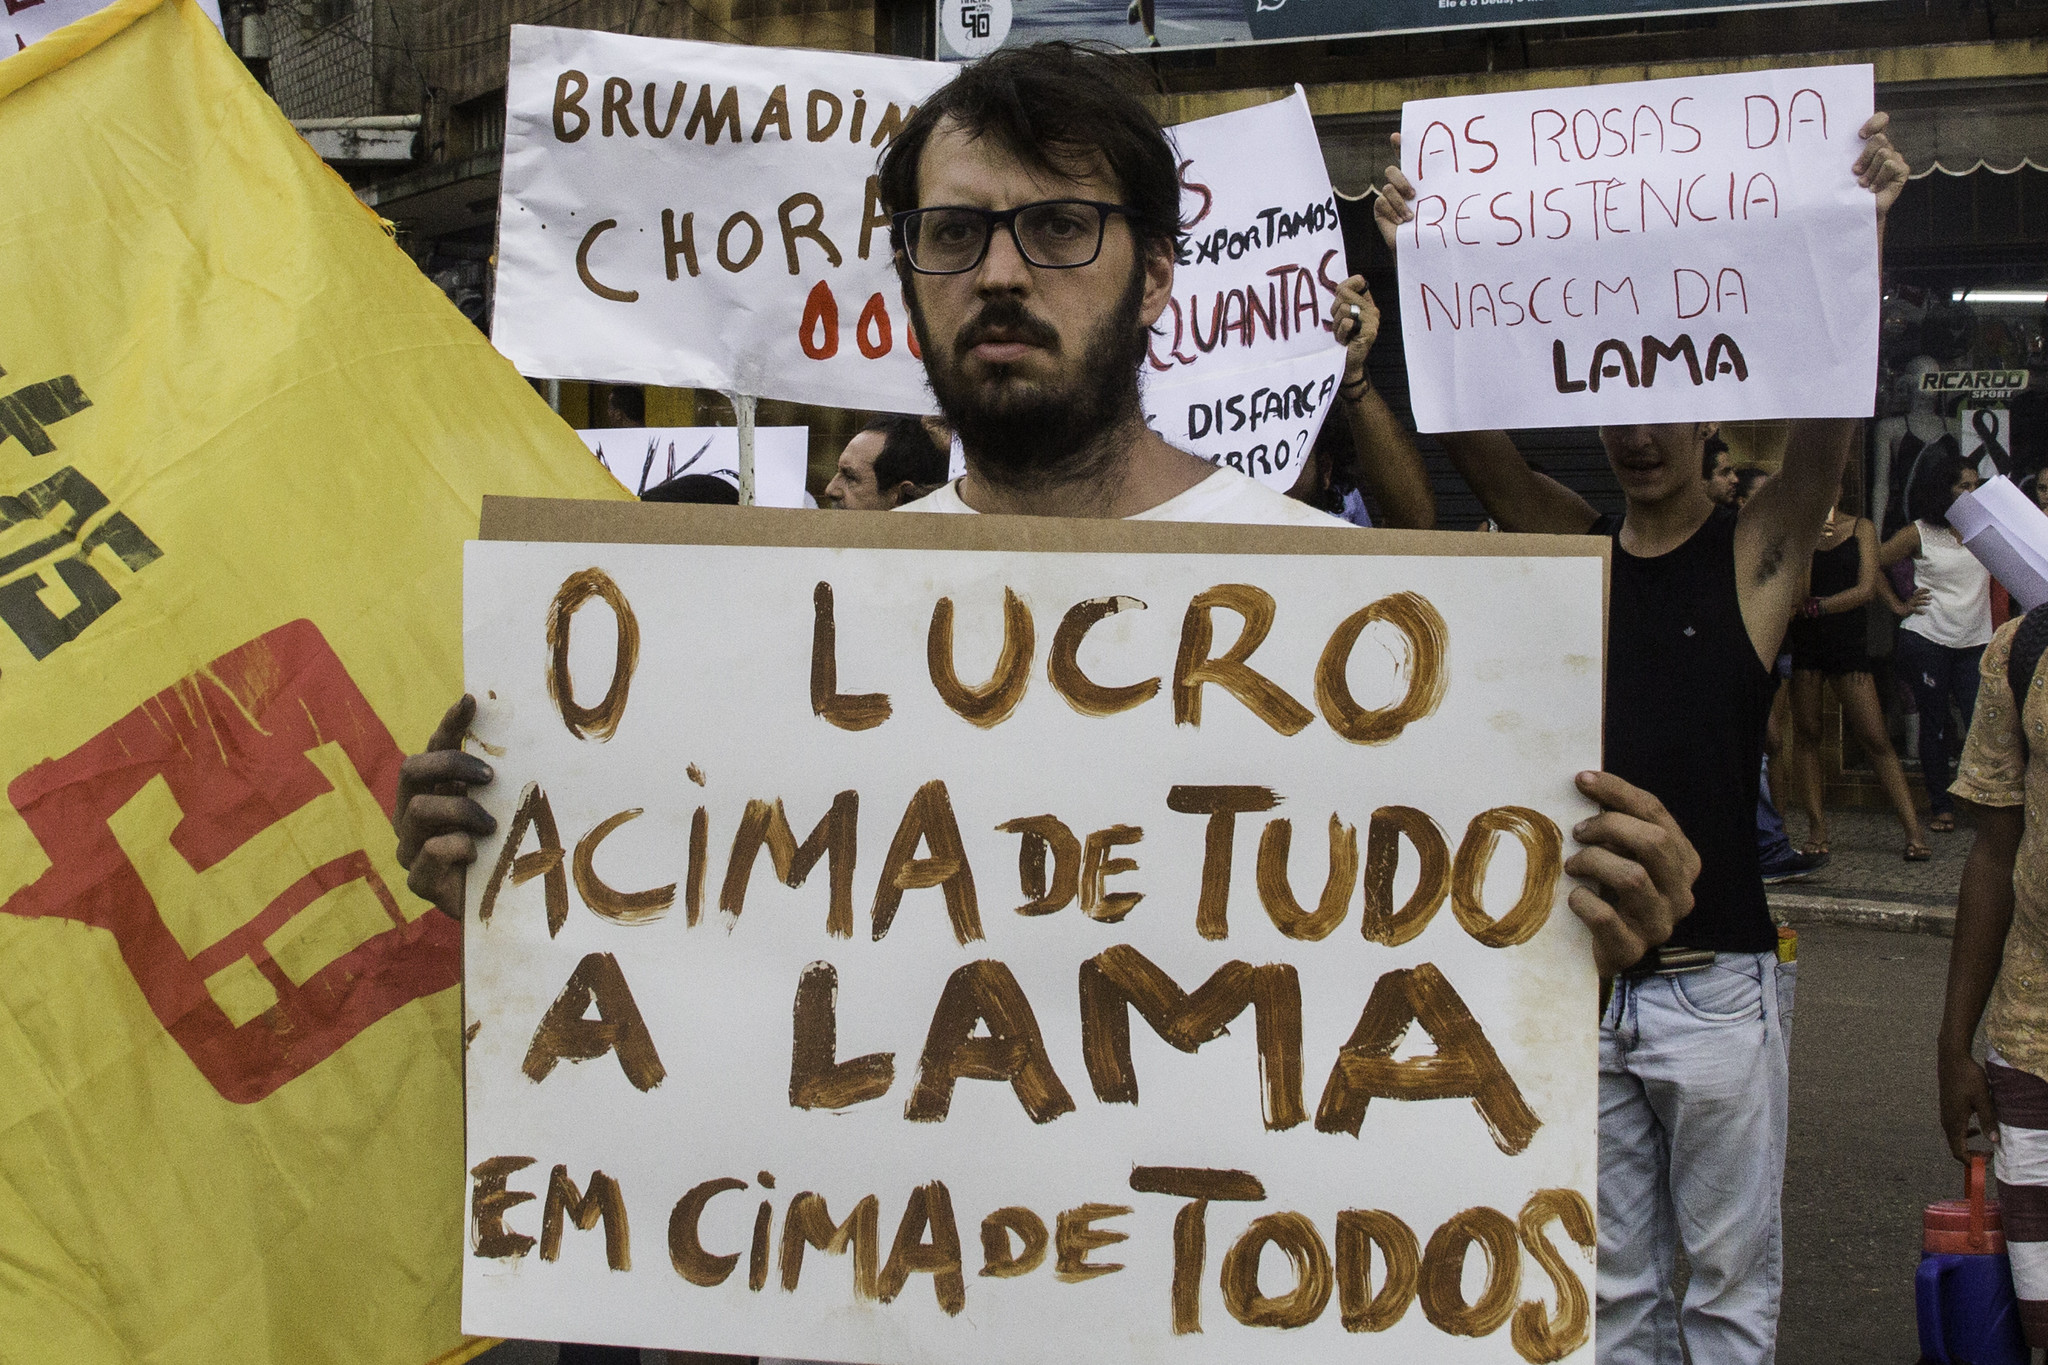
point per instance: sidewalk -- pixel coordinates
(1869, 883)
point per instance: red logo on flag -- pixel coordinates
(186, 829)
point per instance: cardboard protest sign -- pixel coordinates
(1243, 366)
(1655, 251)
(641, 457)
(704, 215)
(902, 952)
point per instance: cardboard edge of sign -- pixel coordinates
(647, 523)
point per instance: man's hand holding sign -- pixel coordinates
(873, 1049)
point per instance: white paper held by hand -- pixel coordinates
(2009, 535)
(1660, 251)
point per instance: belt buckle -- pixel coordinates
(1678, 961)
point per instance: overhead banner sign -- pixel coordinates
(704, 215)
(1243, 367)
(1000, 969)
(642, 457)
(974, 28)
(1658, 251)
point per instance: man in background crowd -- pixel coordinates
(1719, 472)
(892, 461)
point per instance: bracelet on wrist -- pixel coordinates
(1353, 390)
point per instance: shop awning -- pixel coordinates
(1956, 108)
(1959, 130)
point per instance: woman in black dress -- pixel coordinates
(1827, 644)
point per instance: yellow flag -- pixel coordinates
(241, 443)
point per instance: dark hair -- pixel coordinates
(908, 453)
(1716, 447)
(1745, 481)
(1056, 107)
(694, 488)
(1930, 494)
(629, 401)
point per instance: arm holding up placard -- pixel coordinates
(1387, 463)
(1781, 524)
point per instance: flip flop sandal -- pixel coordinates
(1943, 824)
(1813, 846)
(1918, 853)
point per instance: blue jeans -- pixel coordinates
(1773, 847)
(1693, 1080)
(1939, 676)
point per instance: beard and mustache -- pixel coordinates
(1023, 433)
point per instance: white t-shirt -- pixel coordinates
(1958, 610)
(1225, 496)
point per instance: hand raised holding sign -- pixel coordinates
(1386, 464)
(1880, 168)
(1396, 203)
(1357, 323)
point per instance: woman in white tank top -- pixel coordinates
(1946, 622)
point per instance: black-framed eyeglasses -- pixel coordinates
(1053, 234)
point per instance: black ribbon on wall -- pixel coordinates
(1984, 421)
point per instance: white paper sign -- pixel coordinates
(2006, 531)
(1658, 251)
(641, 457)
(788, 928)
(1260, 421)
(704, 215)
(24, 21)
(1243, 366)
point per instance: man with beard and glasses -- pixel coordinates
(1694, 1044)
(1036, 247)
(1036, 227)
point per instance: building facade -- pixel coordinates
(406, 97)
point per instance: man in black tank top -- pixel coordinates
(1693, 1048)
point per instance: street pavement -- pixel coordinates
(1867, 861)
(1866, 1153)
